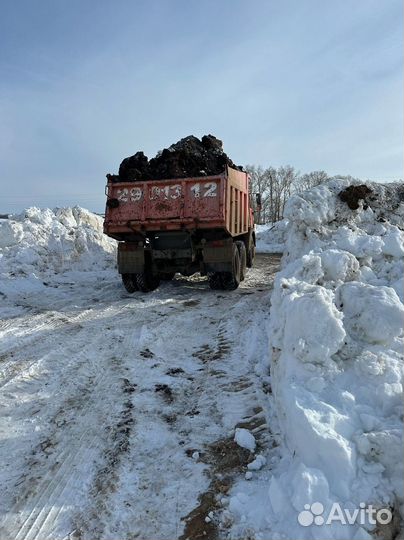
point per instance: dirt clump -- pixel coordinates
(187, 158)
(165, 390)
(353, 194)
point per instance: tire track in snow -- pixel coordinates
(40, 488)
(104, 454)
(26, 352)
(40, 502)
(193, 416)
(44, 495)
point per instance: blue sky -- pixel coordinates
(83, 83)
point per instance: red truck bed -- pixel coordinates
(187, 203)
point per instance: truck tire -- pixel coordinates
(147, 282)
(231, 280)
(243, 259)
(215, 280)
(250, 256)
(130, 283)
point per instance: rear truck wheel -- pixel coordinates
(130, 283)
(147, 282)
(243, 259)
(215, 280)
(231, 280)
(250, 256)
(168, 276)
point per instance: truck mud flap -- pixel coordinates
(217, 255)
(130, 258)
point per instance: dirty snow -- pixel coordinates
(157, 416)
(336, 352)
(112, 402)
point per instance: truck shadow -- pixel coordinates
(258, 279)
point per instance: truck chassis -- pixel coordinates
(191, 225)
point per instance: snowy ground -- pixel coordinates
(271, 238)
(156, 416)
(119, 410)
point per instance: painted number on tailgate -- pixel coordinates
(133, 194)
(205, 190)
(166, 192)
(209, 189)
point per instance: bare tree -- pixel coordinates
(259, 183)
(311, 179)
(287, 177)
(276, 186)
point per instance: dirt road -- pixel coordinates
(119, 410)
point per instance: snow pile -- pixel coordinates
(336, 336)
(271, 237)
(43, 242)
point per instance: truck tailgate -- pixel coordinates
(157, 203)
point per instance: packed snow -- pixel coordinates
(336, 357)
(271, 237)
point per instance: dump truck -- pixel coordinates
(185, 225)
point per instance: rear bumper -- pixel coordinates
(112, 228)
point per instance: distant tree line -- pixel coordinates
(277, 185)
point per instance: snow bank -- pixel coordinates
(336, 336)
(271, 237)
(43, 242)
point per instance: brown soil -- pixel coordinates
(225, 458)
(189, 157)
(353, 194)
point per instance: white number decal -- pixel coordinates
(123, 195)
(196, 190)
(210, 190)
(156, 192)
(166, 192)
(135, 194)
(177, 191)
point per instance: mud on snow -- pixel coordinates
(120, 410)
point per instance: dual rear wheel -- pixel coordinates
(229, 281)
(144, 282)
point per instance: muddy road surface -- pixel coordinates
(118, 410)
